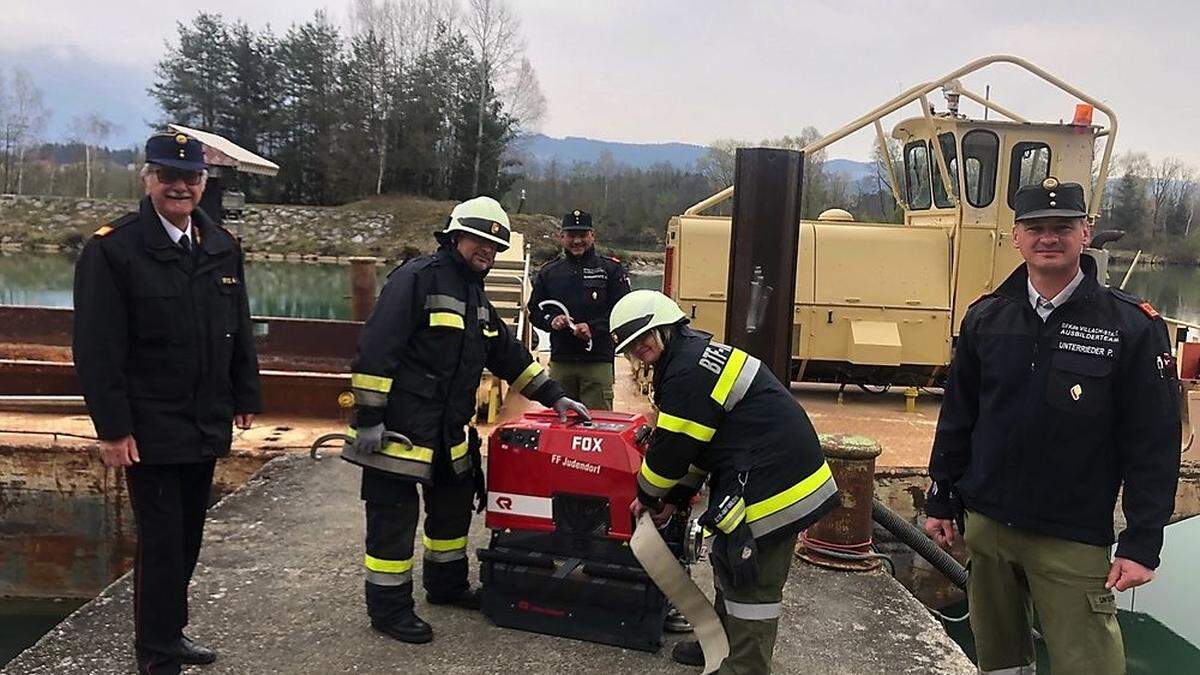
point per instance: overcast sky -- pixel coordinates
(693, 71)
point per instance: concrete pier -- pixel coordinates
(279, 590)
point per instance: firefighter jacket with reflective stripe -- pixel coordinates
(588, 286)
(163, 344)
(420, 357)
(723, 414)
(1042, 422)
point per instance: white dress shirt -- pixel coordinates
(1042, 306)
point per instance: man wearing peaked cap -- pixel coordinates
(572, 297)
(165, 354)
(419, 360)
(1061, 391)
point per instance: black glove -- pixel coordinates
(478, 477)
(564, 404)
(368, 439)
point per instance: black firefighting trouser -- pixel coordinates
(392, 510)
(169, 503)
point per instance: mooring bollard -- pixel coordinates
(842, 539)
(362, 287)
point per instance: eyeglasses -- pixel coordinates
(168, 175)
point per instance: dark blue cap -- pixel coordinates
(178, 151)
(577, 220)
(1050, 199)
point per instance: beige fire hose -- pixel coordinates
(652, 552)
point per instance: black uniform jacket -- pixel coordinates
(163, 346)
(421, 354)
(1042, 422)
(589, 285)
(722, 413)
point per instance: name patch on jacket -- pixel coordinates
(229, 281)
(714, 357)
(594, 274)
(1088, 340)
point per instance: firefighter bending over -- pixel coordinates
(726, 419)
(418, 365)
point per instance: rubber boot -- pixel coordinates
(688, 653)
(410, 629)
(468, 599)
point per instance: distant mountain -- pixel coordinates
(575, 149)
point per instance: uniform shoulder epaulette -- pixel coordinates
(981, 298)
(613, 258)
(1143, 305)
(108, 229)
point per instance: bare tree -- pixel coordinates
(495, 33)
(26, 120)
(90, 130)
(717, 164)
(523, 97)
(1165, 182)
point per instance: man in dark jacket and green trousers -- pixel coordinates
(1061, 392)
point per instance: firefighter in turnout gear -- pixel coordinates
(726, 419)
(419, 361)
(1061, 392)
(572, 297)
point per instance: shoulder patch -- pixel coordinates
(1148, 309)
(614, 258)
(109, 228)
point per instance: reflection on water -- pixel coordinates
(1173, 290)
(300, 290)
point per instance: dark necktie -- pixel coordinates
(185, 243)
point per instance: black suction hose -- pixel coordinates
(917, 541)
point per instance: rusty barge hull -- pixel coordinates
(305, 362)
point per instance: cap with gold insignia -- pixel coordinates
(178, 151)
(577, 220)
(1050, 199)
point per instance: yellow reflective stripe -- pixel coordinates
(684, 426)
(442, 545)
(371, 382)
(417, 453)
(447, 319)
(459, 451)
(789, 496)
(531, 371)
(732, 518)
(387, 566)
(488, 333)
(729, 374)
(656, 480)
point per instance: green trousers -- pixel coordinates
(1014, 572)
(589, 383)
(750, 613)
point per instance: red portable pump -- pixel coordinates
(558, 506)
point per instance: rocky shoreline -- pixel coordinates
(399, 229)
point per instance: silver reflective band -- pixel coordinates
(534, 384)
(483, 313)
(757, 612)
(445, 556)
(449, 302)
(742, 383)
(371, 399)
(791, 514)
(386, 579)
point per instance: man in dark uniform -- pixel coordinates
(724, 418)
(572, 297)
(165, 354)
(419, 361)
(1061, 391)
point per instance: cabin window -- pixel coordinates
(916, 174)
(950, 155)
(1030, 166)
(981, 154)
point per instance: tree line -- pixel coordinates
(1152, 201)
(416, 96)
